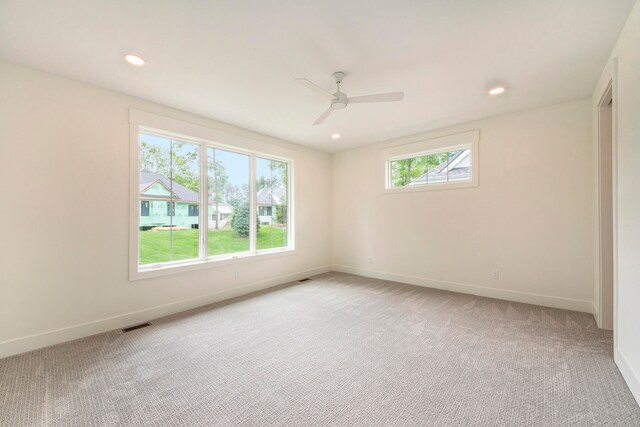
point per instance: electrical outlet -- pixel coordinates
(237, 275)
(495, 274)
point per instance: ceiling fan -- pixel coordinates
(339, 100)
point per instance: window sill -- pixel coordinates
(147, 272)
(430, 187)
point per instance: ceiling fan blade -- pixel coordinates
(314, 87)
(380, 97)
(323, 116)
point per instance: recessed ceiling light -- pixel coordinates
(496, 90)
(134, 59)
(335, 135)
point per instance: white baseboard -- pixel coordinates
(36, 341)
(596, 314)
(516, 296)
(632, 379)
(45, 339)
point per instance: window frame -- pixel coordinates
(424, 147)
(223, 138)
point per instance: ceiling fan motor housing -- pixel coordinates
(340, 102)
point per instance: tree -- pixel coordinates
(263, 182)
(280, 178)
(242, 219)
(185, 166)
(236, 198)
(177, 161)
(217, 181)
(404, 171)
(281, 213)
(232, 193)
(154, 158)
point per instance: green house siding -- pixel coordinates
(158, 215)
(157, 189)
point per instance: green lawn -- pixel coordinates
(154, 245)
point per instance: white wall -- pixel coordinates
(64, 180)
(626, 59)
(530, 217)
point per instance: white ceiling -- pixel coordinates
(235, 61)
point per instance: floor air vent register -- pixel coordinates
(133, 328)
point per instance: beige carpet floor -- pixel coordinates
(337, 350)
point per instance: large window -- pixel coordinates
(199, 202)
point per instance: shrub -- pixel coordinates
(240, 220)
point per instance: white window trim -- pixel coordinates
(463, 140)
(205, 137)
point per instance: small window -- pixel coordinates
(193, 210)
(144, 208)
(171, 209)
(264, 210)
(439, 163)
(437, 168)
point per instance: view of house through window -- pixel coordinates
(169, 190)
(229, 212)
(170, 212)
(435, 168)
(271, 198)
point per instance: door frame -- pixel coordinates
(608, 95)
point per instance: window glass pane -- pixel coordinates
(417, 168)
(169, 182)
(437, 168)
(185, 184)
(459, 168)
(272, 190)
(399, 175)
(411, 171)
(228, 194)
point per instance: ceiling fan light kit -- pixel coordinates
(340, 100)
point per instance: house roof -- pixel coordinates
(222, 207)
(271, 196)
(454, 164)
(182, 193)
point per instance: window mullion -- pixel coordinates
(170, 202)
(289, 192)
(253, 203)
(203, 228)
